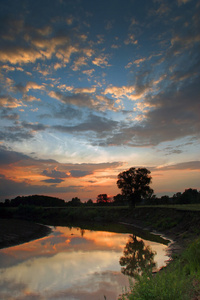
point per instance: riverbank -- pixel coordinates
(14, 232)
(182, 274)
(181, 226)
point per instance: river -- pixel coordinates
(71, 264)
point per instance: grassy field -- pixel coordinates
(187, 207)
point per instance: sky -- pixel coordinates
(89, 89)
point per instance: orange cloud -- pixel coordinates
(10, 102)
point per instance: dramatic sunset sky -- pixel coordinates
(91, 88)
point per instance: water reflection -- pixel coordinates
(68, 264)
(137, 258)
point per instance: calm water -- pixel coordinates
(69, 264)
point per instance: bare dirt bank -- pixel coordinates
(14, 232)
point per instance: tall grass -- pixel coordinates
(180, 280)
(191, 259)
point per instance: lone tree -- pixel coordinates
(134, 184)
(102, 198)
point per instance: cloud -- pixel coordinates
(101, 61)
(34, 126)
(163, 9)
(26, 174)
(130, 39)
(9, 157)
(93, 123)
(64, 87)
(30, 98)
(65, 53)
(9, 101)
(85, 90)
(88, 72)
(20, 131)
(18, 54)
(11, 188)
(190, 165)
(79, 62)
(15, 134)
(79, 173)
(89, 52)
(12, 116)
(34, 86)
(174, 151)
(176, 112)
(139, 61)
(54, 180)
(173, 114)
(8, 68)
(168, 99)
(67, 112)
(120, 92)
(180, 2)
(82, 98)
(23, 43)
(34, 44)
(25, 89)
(55, 174)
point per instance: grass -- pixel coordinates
(180, 280)
(188, 207)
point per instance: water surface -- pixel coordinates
(70, 264)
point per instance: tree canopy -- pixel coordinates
(134, 184)
(102, 198)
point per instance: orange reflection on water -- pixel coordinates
(67, 264)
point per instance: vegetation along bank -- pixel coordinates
(181, 223)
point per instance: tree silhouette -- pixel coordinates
(102, 198)
(75, 201)
(137, 258)
(119, 200)
(134, 184)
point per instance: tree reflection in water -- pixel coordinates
(137, 258)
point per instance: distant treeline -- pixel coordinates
(189, 196)
(35, 200)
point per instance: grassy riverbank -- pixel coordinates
(179, 280)
(181, 225)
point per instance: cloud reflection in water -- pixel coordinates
(68, 264)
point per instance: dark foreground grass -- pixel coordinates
(187, 207)
(180, 280)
